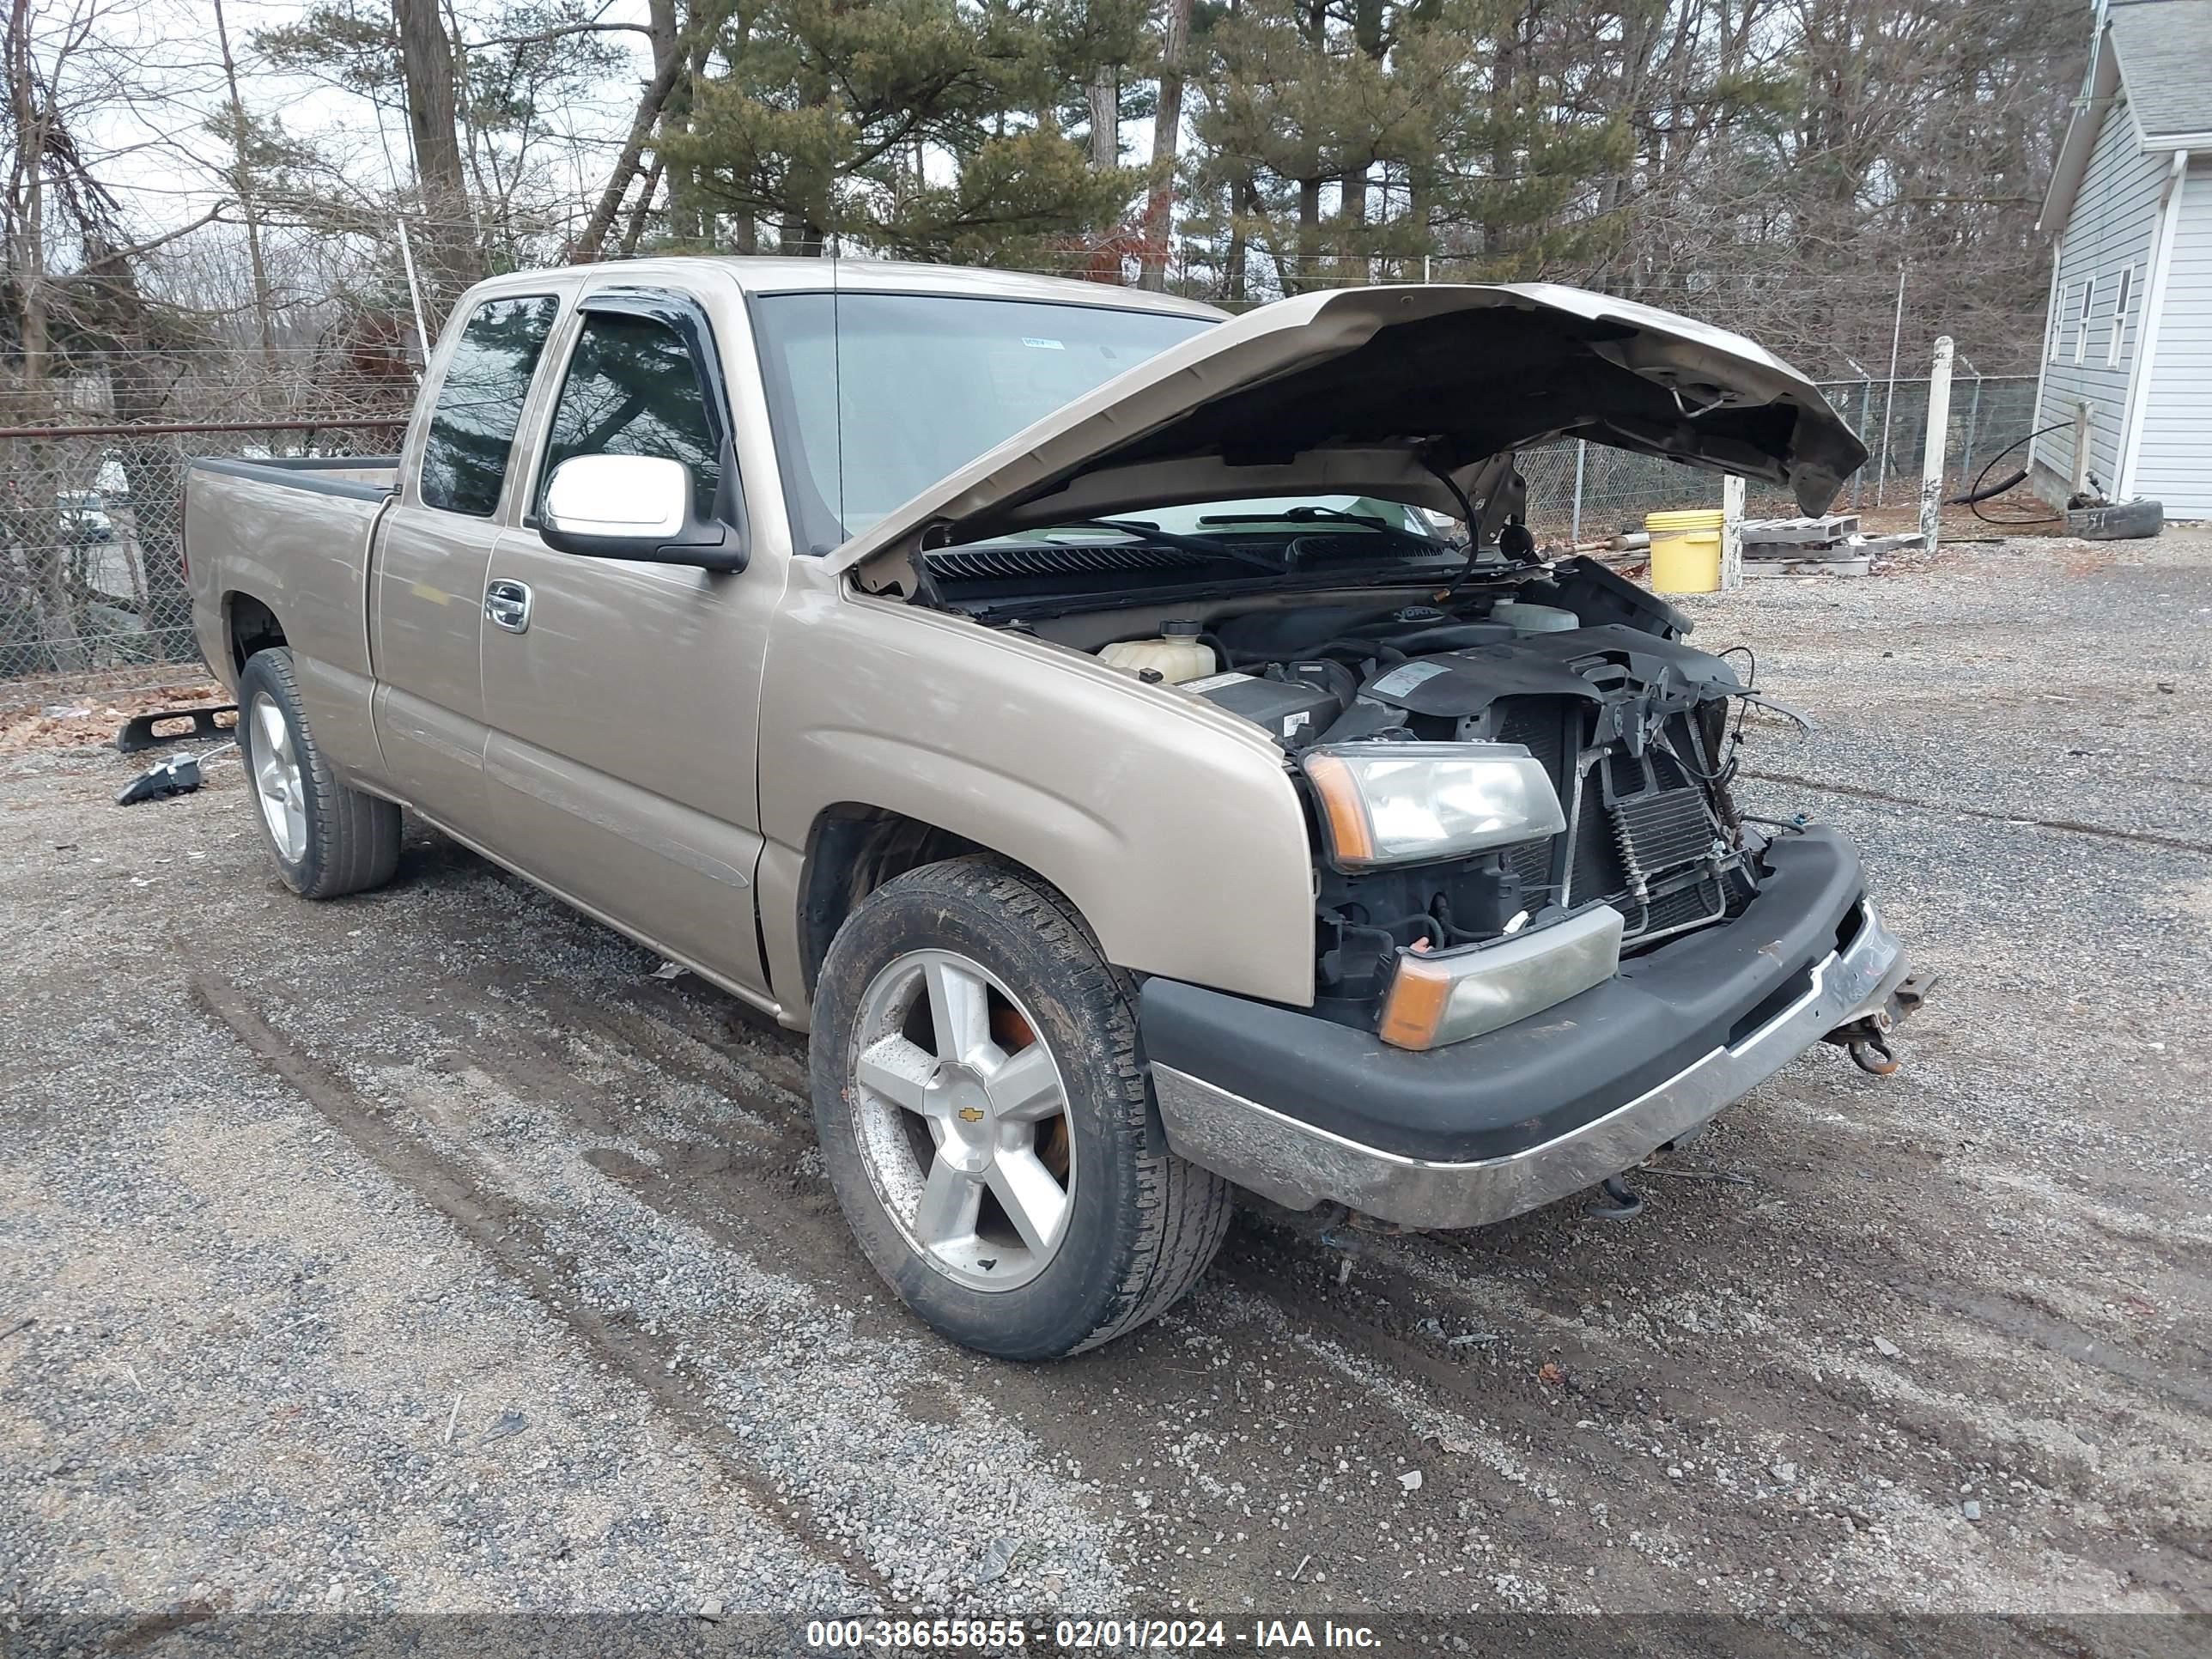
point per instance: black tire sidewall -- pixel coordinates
(270, 672)
(960, 906)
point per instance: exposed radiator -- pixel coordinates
(1640, 830)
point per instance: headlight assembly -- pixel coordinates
(1407, 803)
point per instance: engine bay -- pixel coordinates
(1586, 673)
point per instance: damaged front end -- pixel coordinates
(1522, 993)
(1546, 942)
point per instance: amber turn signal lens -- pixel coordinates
(1413, 1013)
(1349, 837)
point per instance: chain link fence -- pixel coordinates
(92, 576)
(92, 515)
(1587, 491)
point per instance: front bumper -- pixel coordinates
(1304, 1111)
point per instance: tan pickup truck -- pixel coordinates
(1144, 749)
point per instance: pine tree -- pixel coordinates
(923, 128)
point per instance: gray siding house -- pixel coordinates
(2127, 348)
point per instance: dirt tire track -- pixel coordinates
(506, 1238)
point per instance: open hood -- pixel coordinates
(1375, 391)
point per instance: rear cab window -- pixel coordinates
(480, 402)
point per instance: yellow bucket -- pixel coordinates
(1686, 550)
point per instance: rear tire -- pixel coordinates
(327, 840)
(935, 1144)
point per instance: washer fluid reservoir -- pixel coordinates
(1177, 655)
(1535, 618)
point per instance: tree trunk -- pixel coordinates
(591, 241)
(637, 215)
(426, 64)
(1351, 208)
(675, 115)
(797, 237)
(1308, 261)
(1105, 95)
(1243, 202)
(242, 182)
(1167, 143)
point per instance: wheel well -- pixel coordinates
(252, 626)
(851, 851)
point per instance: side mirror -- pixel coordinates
(633, 507)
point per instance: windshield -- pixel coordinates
(876, 397)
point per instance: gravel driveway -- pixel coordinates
(425, 1251)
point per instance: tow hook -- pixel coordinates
(1867, 1037)
(1873, 1053)
(1620, 1202)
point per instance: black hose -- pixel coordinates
(1990, 492)
(1977, 496)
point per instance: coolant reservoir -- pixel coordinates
(1535, 618)
(1177, 655)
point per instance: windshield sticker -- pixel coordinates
(1400, 681)
(1036, 344)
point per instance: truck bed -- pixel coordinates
(295, 534)
(370, 478)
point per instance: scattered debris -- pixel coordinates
(1411, 1480)
(2116, 521)
(1829, 546)
(997, 1556)
(1300, 1568)
(92, 718)
(711, 1610)
(670, 970)
(509, 1423)
(1970, 1509)
(1551, 1372)
(138, 733)
(178, 776)
(1887, 1349)
(1785, 1472)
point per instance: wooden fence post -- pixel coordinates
(1731, 531)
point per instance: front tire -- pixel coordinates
(327, 840)
(983, 1111)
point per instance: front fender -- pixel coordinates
(1172, 826)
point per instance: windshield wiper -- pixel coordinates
(1204, 546)
(1313, 514)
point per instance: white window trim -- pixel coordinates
(2061, 300)
(2081, 322)
(2136, 412)
(2124, 295)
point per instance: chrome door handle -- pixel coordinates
(508, 603)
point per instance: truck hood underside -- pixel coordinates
(1374, 391)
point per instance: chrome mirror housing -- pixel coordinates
(633, 507)
(618, 496)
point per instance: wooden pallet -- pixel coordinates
(1759, 533)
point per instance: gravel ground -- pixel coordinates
(422, 1251)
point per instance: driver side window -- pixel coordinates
(631, 390)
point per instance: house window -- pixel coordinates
(2120, 301)
(2057, 331)
(2082, 327)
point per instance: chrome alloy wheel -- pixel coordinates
(962, 1119)
(277, 781)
